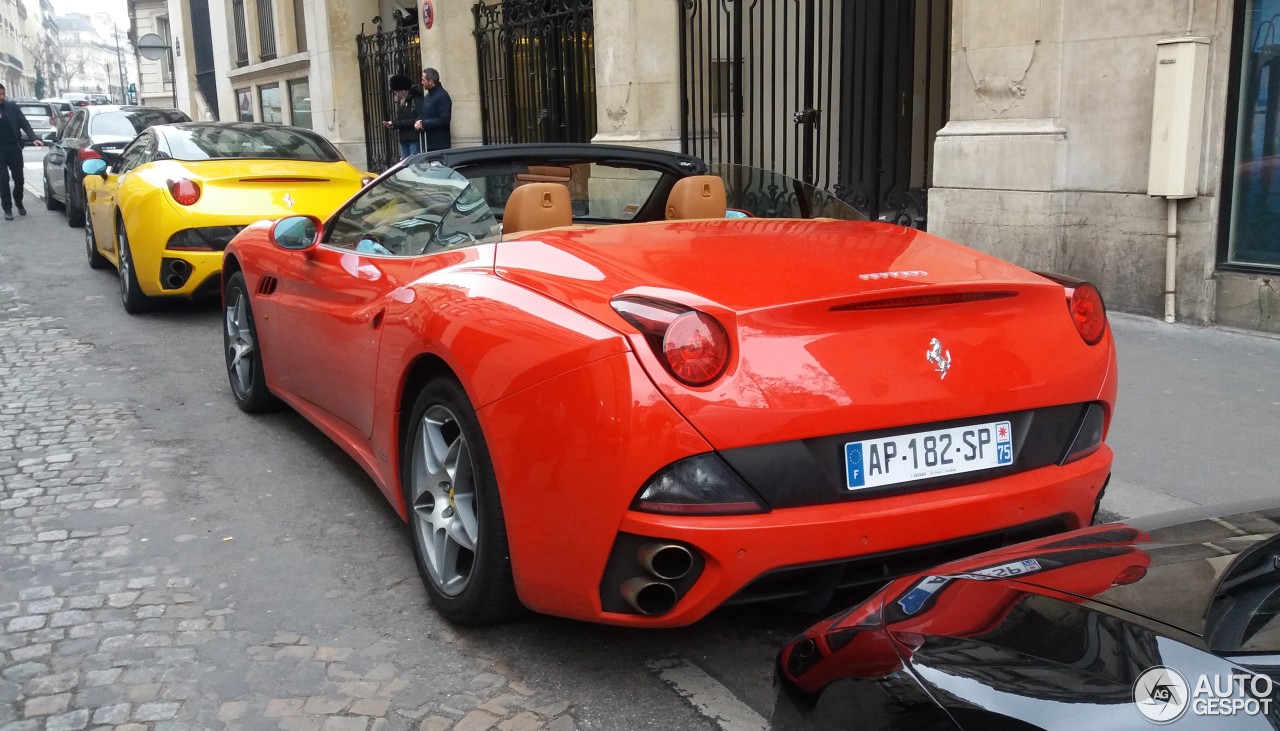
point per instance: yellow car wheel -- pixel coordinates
(96, 260)
(130, 294)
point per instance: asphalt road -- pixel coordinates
(294, 555)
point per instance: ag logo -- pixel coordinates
(1161, 694)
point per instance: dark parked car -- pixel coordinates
(93, 132)
(1172, 619)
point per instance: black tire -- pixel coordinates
(50, 203)
(96, 259)
(487, 594)
(242, 351)
(131, 295)
(75, 213)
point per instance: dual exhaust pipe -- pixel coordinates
(179, 270)
(654, 594)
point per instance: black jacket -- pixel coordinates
(17, 120)
(404, 115)
(436, 110)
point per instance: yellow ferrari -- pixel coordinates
(178, 194)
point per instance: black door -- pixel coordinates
(845, 96)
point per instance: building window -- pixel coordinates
(166, 61)
(242, 36)
(300, 24)
(269, 101)
(300, 102)
(244, 105)
(266, 30)
(1255, 185)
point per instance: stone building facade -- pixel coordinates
(1027, 125)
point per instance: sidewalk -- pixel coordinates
(1197, 416)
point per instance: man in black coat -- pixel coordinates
(404, 114)
(437, 108)
(12, 124)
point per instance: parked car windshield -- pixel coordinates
(421, 208)
(38, 111)
(261, 141)
(128, 123)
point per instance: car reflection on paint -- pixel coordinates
(1053, 633)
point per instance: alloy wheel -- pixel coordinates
(442, 490)
(126, 263)
(88, 232)
(241, 349)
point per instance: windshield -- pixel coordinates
(766, 194)
(130, 123)
(421, 208)
(255, 141)
(36, 111)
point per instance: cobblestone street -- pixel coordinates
(103, 625)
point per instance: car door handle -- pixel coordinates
(376, 322)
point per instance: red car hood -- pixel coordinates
(814, 354)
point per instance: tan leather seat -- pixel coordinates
(697, 196)
(536, 206)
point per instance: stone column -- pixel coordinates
(449, 46)
(638, 73)
(336, 110)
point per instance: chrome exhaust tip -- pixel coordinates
(649, 597)
(669, 561)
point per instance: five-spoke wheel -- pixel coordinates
(455, 514)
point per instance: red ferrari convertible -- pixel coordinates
(604, 383)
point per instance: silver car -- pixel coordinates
(41, 116)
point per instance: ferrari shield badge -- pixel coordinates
(941, 359)
(288, 201)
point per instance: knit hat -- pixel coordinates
(400, 82)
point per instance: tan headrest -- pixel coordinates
(535, 206)
(545, 174)
(697, 196)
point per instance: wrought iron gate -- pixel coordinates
(383, 54)
(537, 70)
(847, 96)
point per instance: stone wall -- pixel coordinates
(1045, 159)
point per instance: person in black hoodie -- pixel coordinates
(437, 108)
(404, 113)
(12, 124)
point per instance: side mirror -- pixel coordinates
(296, 233)
(94, 166)
(49, 137)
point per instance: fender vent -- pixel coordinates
(267, 286)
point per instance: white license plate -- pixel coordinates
(926, 454)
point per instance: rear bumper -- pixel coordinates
(199, 268)
(806, 553)
(571, 453)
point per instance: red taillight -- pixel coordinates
(88, 153)
(696, 348)
(1088, 312)
(691, 344)
(185, 192)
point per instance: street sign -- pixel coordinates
(152, 47)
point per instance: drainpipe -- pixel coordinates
(1171, 261)
(1177, 125)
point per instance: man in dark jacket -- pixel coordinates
(437, 108)
(12, 124)
(404, 114)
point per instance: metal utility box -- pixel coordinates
(1177, 117)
